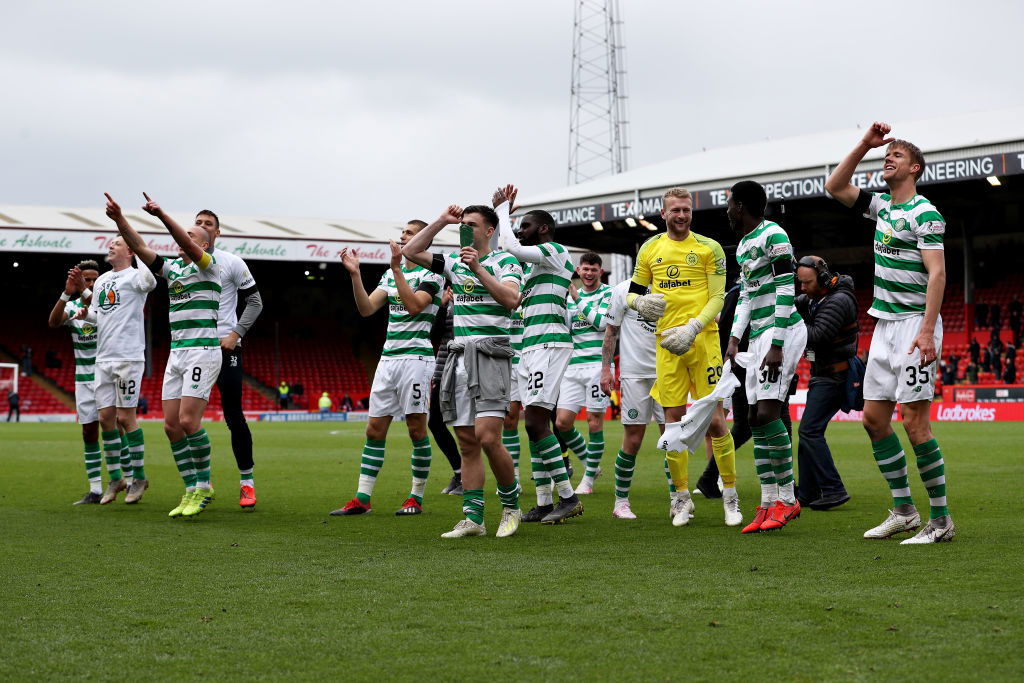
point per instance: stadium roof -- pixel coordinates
(942, 139)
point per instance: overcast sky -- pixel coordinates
(391, 110)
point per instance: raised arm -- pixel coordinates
(838, 183)
(192, 250)
(58, 315)
(416, 249)
(128, 233)
(413, 300)
(367, 304)
(507, 240)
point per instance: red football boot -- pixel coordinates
(409, 507)
(780, 515)
(353, 507)
(247, 498)
(759, 517)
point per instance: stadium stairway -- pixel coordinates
(39, 394)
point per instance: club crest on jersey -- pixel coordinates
(691, 259)
(900, 224)
(88, 328)
(108, 297)
(177, 287)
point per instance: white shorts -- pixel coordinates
(191, 372)
(518, 380)
(637, 405)
(582, 387)
(466, 412)
(762, 385)
(401, 386)
(118, 383)
(543, 370)
(85, 402)
(892, 373)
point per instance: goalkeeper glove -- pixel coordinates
(650, 306)
(678, 340)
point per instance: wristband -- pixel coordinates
(65, 297)
(86, 293)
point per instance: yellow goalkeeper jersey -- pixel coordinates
(687, 272)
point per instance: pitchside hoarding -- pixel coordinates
(1010, 163)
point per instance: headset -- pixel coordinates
(826, 280)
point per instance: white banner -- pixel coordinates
(258, 248)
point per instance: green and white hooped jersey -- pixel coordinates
(194, 295)
(545, 290)
(588, 323)
(515, 334)
(766, 299)
(902, 231)
(83, 339)
(475, 313)
(408, 335)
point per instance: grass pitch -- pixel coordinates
(287, 592)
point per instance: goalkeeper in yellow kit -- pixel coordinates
(685, 273)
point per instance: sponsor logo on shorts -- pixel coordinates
(195, 386)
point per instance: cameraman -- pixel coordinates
(829, 309)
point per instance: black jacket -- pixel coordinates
(832, 327)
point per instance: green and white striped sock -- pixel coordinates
(595, 451)
(137, 451)
(473, 505)
(763, 466)
(369, 467)
(574, 440)
(94, 466)
(126, 460)
(539, 473)
(551, 456)
(671, 484)
(892, 462)
(112, 453)
(510, 440)
(624, 466)
(245, 477)
(509, 495)
(932, 469)
(199, 446)
(421, 455)
(781, 452)
(183, 460)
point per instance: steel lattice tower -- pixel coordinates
(598, 121)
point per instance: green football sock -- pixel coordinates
(137, 450)
(892, 462)
(94, 466)
(595, 451)
(574, 440)
(510, 439)
(112, 453)
(624, 466)
(199, 446)
(932, 469)
(780, 450)
(763, 466)
(183, 460)
(509, 495)
(369, 466)
(473, 505)
(421, 455)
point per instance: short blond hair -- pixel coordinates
(678, 193)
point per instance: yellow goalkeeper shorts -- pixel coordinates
(695, 373)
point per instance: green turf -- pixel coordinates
(289, 592)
